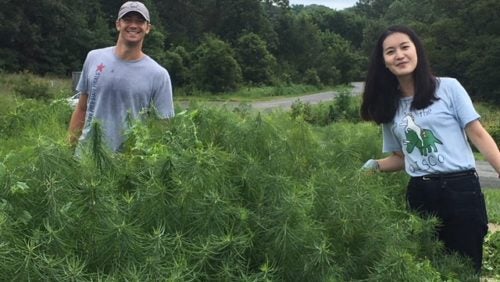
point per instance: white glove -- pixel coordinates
(371, 164)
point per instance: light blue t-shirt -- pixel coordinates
(120, 90)
(433, 139)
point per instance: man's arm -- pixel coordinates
(78, 119)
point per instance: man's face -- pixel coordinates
(133, 27)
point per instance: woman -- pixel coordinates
(426, 121)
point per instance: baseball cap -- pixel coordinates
(134, 6)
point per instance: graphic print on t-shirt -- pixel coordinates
(417, 137)
(92, 97)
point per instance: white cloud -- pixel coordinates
(334, 4)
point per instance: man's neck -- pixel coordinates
(128, 53)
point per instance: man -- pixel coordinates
(120, 82)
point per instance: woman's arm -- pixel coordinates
(394, 162)
(484, 143)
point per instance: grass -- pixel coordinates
(492, 197)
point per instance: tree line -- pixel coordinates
(221, 45)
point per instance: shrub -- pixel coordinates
(342, 108)
(29, 86)
(311, 77)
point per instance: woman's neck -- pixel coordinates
(407, 86)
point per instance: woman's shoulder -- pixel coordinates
(448, 82)
(449, 87)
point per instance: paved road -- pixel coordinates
(487, 175)
(310, 99)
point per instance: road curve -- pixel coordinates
(310, 99)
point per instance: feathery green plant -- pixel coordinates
(210, 195)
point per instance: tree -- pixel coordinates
(177, 63)
(237, 17)
(256, 62)
(216, 68)
(345, 23)
(482, 72)
(299, 43)
(372, 9)
(186, 20)
(338, 63)
(49, 36)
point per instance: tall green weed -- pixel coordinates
(210, 195)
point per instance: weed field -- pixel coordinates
(211, 195)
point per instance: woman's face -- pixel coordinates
(400, 54)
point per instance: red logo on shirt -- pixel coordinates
(100, 67)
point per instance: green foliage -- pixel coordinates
(48, 36)
(237, 17)
(492, 197)
(311, 77)
(343, 108)
(491, 255)
(406, 267)
(210, 195)
(154, 46)
(30, 119)
(490, 119)
(281, 44)
(33, 88)
(257, 63)
(300, 44)
(344, 63)
(216, 68)
(177, 62)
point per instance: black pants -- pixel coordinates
(456, 199)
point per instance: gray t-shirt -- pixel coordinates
(120, 90)
(433, 139)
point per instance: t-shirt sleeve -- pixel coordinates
(464, 108)
(83, 84)
(162, 99)
(390, 142)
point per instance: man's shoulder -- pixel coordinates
(100, 51)
(155, 66)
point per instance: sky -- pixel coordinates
(334, 4)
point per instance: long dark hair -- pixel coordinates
(381, 94)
